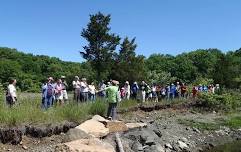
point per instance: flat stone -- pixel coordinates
(94, 128)
(136, 125)
(183, 139)
(85, 145)
(24, 147)
(116, 126)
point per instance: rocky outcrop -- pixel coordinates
(94, 128)
(90, 145)
(13, 135)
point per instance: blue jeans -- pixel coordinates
(92, 97)
(84, 96)
(112, 112)
(47, 102)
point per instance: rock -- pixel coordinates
(158, 132)
(188, 128)
(137, 146)
(21, 143)
(155, 148)
(182, 145)
(183, 139)
(99, 118)
(147, 137)
(9, 149)
(12, 135)
(196, 130)
(74, 134)
(136, 125)
(24, 147)
(90, 145)
(116, 126)
(94, 128)
(168, 145)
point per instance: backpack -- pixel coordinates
(50, 91)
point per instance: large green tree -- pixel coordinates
(100, 50)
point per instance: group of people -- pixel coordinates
(56, 92)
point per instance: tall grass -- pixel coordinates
(28, 111)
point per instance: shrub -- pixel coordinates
(225, 101)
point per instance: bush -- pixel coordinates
(225, 101)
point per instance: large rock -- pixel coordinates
(135, 125)
(85, 145)
(116, 126)
(99, 118)
(74, 134)
(94, 128)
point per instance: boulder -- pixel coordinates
(94, 128)
(99, 118)
(87, 145)
(116, 126)
(74, 134)
(137, 146)
(135, 125)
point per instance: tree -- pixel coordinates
(128, 66)
(100, 50)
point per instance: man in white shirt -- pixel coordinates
(11, 95)
(84, 90)
(76, 86)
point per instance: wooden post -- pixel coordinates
(119, 144)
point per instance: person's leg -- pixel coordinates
(114, 111)
(109, 110)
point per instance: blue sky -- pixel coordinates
(52, 27)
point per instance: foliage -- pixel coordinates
(224, 102)
(100, 50)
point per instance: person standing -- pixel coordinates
(76, 86)
(127, 90)
(59, 92)
(84, 90)
(143, 88)
(102, 87)
(113, 99)
(11, 94)
(65, 86)
(173, 91)
(48, 93)
(92, 91)
(134, 90)
(183, 90)
(154, 92)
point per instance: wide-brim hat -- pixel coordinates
(62, 77)
(76, 77)
(50, 78)
(83, 79)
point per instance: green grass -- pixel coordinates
(231, 120)
(199, 125)
(28, 111)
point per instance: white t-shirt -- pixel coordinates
(127, 88)
(84, 87)
(76, 84)
(92, 89)
(12, 90)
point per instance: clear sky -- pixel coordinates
(52, 27)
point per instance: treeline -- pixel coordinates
(200, 66)
(32, 70)
(108, 56)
